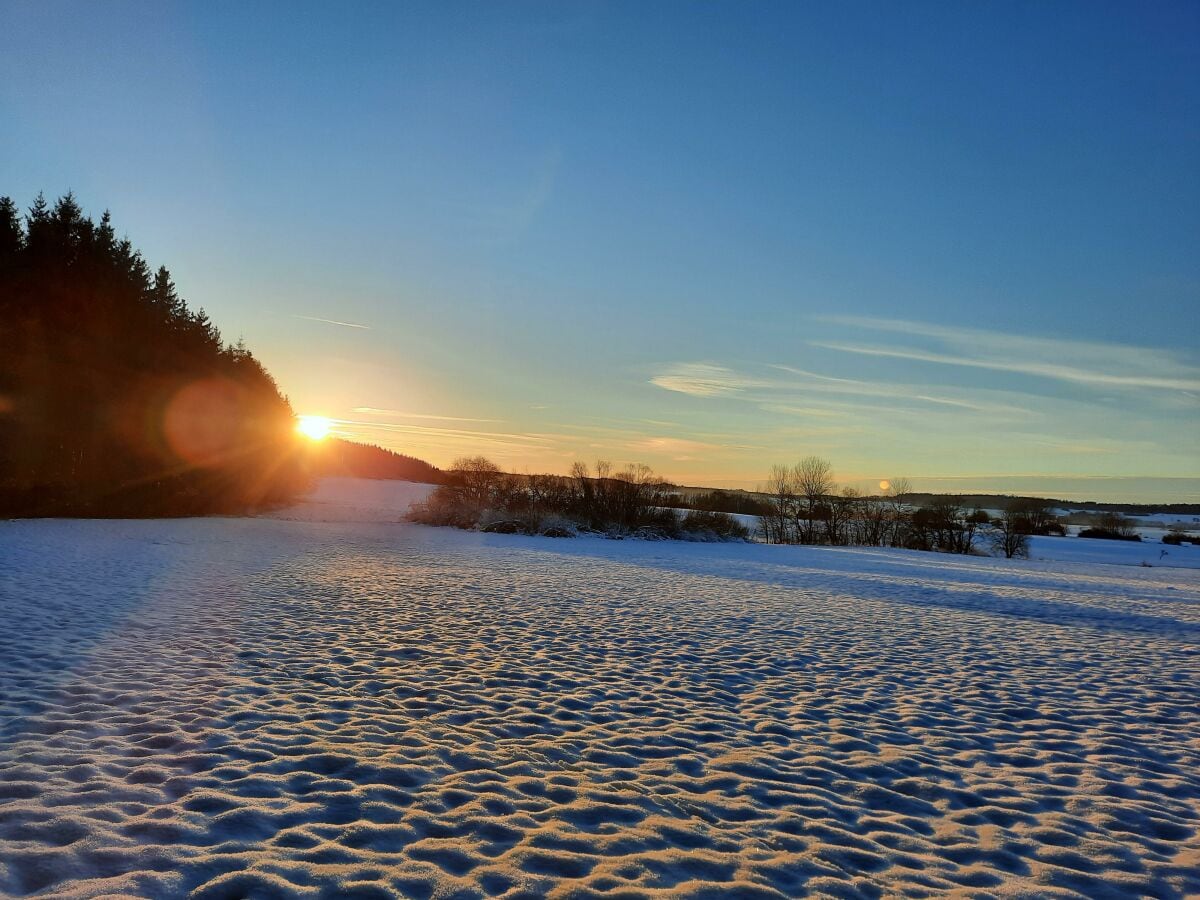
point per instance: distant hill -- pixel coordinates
(335, 457)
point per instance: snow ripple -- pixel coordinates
(232, 708)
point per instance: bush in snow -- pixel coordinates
(1110, 534)
(630, 503)
(713, 526)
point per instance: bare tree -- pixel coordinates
(971, 524)
(899, 497)
(1116, 523)
(899, 493)
(813, 479)
(1037, 514)
(542, 496)
(623, 501)
(478, 478)
(843, 510)
(632, 493)
(1010, 534)
(874, 525)
(781, 491)
(945, 525)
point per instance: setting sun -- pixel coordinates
(884, 485)
(314, 428)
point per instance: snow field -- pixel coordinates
(262, 707)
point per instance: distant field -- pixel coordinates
(265, 707)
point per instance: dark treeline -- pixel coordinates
(1084, 511)
(337, 457)
(737, 502)
(1001, 501)
(634, 502)
(116, 399)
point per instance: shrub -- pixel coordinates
(709, 525)
(556, 527)
(1109, 534)
(658, 525)
(505, 526)
(1112, 522)
(944, 525)
(1036, 515)
(1176, 538)
(445, 506)
(476, 494)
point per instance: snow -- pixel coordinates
(309, 705)
(356, 500)
(1149, 551)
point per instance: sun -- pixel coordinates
(884, 485)
(315, 428)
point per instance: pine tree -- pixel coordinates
(12, 235)
(164, 297)
(107, 375)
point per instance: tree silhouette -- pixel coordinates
(115, 397)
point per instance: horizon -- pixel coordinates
(953, 245)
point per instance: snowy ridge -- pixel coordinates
(238, 707)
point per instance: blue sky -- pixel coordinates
(950, 241)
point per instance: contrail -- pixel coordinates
(332, 322)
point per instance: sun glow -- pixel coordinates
(315, 428)
(884, 485)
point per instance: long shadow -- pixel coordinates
(67, 587)
(753, 565)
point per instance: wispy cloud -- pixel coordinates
(819, 412)
(333, 322)
(622, 445)
(675, 445)
(637, 444)
(636, 431)
(811, 382)
(801, 392)
(399, 414)
(1023, 366)
(705, 380)
(1100, 365)
(462, 436)
(440, 444)
(1075, 449)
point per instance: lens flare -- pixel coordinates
(200, 421)
(315, 428)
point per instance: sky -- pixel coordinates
(952, 242)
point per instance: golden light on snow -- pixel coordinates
(884, 485)
(315, 428)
